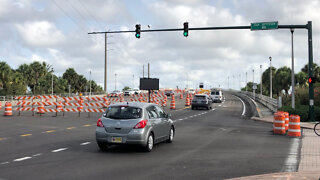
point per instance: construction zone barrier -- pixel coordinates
(279, 123)
(0, 105)
(173, 104)
(8, 109)
(41, 109)
(188, 101)
(286, 120)
(294, 129)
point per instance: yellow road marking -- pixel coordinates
(50, 131)
(23, 135)
(1, 139)
(86, 125)
(71, 128)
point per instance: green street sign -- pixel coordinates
(264, 25)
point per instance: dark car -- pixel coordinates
(201, 101)
(168, 93)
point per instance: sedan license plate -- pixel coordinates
(116, 139)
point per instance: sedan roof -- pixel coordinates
(133, 104)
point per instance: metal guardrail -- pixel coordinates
(271, 103)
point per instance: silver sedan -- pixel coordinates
(138, 123)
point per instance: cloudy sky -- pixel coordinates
(56, 31)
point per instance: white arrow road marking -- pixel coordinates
(22, 159)
(58, 150)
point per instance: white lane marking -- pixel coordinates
(195, 115)
(3, 163)
(219, 105)
(179, 119)
(58, 150)
(21, 159)
(37, 155)
(172, 121)
(85, 143)
(291, 163)
(191, 116)
(244, 106)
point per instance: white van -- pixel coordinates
(216, 95)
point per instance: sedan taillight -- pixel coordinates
(99, 123)
(141, 124)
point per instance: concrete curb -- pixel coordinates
(257, 107)
(284, 175)
(303, 125)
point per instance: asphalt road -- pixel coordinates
(215, 144)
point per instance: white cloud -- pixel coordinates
(40, 33)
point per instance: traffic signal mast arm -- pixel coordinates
(201, 29)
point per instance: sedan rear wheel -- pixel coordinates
(150, 143)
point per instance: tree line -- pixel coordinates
(281, 80)
(36, 78)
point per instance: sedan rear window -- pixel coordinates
(123, 112)
(200, 97)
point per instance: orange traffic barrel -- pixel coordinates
(279, 123)
(8, 109)
(24, 103)
(294, 126)
(187, 101)
(286, 120)
(59, 105)
(181, 96)
(173, 104)
(0, 105)
(41, 109)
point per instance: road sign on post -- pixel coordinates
(264, 25)
(254, 86)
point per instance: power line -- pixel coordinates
(90, 14)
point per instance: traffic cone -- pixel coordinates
(173, 104)
(8, 109)
(188, 101)
(40, 109)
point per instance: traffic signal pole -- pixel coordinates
(307, 26)
(310, 71)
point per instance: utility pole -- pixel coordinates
(105, 63)
(233, 82)
(143, 70)
(310, 72)
(253, 90)
(132, 81)
(69, 90)
(52, 81)
(261, 80)
(270, 58)
(148, 78)
(246, 81)
(239, 82)
(228, 83)
(90, 85)
(292, 72)
(115, 81)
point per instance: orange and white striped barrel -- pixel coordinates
(41, 109)
(181, 96)
(294, 126)
(0, 105)
(286, 120)
(24, 103)
(279, 123)
(187, 101)
(8, 109)
(173, 104)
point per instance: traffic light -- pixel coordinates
(138, 29)
(185, 29)
(311, 80)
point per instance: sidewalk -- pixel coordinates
(309, 165)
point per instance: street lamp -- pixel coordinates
(90, 84)
(292, 72)
(270, 58)
(115, 81)
(261, 80)
(69, 89)
(246, 81)
(253, 90)
(52, 81)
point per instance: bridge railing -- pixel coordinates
(271, 103)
